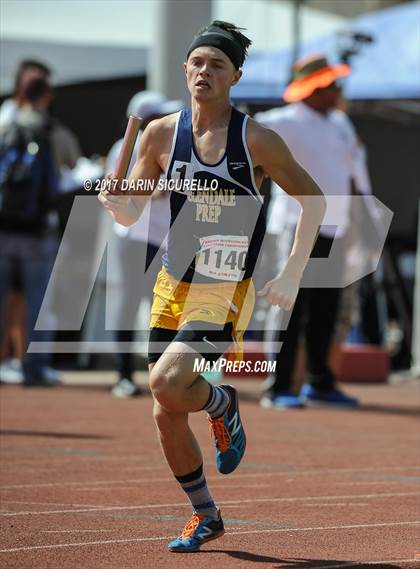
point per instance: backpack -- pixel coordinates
(26, 175)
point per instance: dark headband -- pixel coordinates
(223, 40)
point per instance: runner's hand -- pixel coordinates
(281, 291)
(114, 203)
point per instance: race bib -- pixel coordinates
(222, 257)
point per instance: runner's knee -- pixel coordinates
(166, 389)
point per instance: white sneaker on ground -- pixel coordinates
(11, 371)
(125, 388)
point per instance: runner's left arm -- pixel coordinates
(272, 156)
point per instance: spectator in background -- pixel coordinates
(65, 146)
(29, 243)
(324, 142)
(28, 187)
(140, 241)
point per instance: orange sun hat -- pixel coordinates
(312, 73)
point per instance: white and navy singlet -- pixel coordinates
(216, 227)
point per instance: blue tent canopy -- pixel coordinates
(389, 68)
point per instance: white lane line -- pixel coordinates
(96, 530)
(224, 486)
(221, 502)
(6, 458)
(362, 563)
(259, 474)
(107, 488)
(29, 470)
(51, 504)
(77, 530)
(142, 539)
(338, 504)
(377, 482)
(228, 489)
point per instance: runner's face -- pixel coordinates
(210, 74)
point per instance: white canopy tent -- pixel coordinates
(71, 63)
(86, 40)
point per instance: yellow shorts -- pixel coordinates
(176, 303)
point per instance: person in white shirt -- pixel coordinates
(323, 140)
(139, 241)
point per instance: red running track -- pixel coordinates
(83, 484)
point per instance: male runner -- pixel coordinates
(204, 294)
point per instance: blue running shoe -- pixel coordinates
(314, 397)
(282, 401)
(198, 530)
(287, 401)
(229, 435)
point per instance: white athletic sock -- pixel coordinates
(218, 402)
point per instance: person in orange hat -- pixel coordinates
(314, 81)
(323, 140)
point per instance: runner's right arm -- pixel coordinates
(126, 209)
(271, 154)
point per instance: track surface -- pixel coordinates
(83, 484)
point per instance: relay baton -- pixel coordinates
(127, 148)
